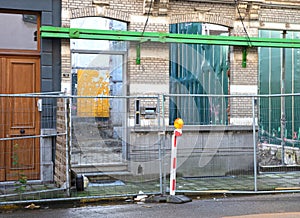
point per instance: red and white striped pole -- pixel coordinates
(178, 123)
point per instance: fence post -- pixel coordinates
(282, 103)
(68, 102)
(164, 180)
(159, 147)
(254, 144)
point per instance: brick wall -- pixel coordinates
(154, 69)
(248, 75)
(194, 11)
(65, 59)
(60, 176)
(278, 15)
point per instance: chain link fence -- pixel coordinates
(58, 146)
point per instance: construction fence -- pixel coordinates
(56, 146)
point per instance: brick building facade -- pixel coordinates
(256, 15)
(152, 75)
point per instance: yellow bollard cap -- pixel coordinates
(178, 123)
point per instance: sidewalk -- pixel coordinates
(268, 182)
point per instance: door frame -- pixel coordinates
(123, 54)
(5, 54)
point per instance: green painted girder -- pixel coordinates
(162, 37)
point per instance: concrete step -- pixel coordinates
(278, 168)
(96, 143)
(100, 168)
(95, 177)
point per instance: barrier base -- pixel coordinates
(176, 199)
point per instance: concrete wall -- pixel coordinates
(217, 153)
(203, 151)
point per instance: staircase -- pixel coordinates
(96, 149)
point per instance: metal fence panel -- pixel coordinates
(278, 143)
(117, 152)
(216, 156)
(27, 156)
(128, 152)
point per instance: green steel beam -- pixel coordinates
(76, 33)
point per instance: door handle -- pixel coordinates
(39, 104)
(22, 131)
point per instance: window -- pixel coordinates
(98, 70)
(19, 31)
(198, 69)
(270, 63)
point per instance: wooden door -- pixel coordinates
(2, 123)
(19, 157)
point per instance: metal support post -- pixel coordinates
(254, 145)
(68, 123)
(282, 98)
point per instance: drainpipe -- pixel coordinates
(282, 98)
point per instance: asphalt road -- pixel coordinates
(262, 206)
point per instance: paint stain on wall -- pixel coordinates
(93, 83)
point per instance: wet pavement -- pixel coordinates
(114, 189)
(265, 206)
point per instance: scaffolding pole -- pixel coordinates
(164, 37)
